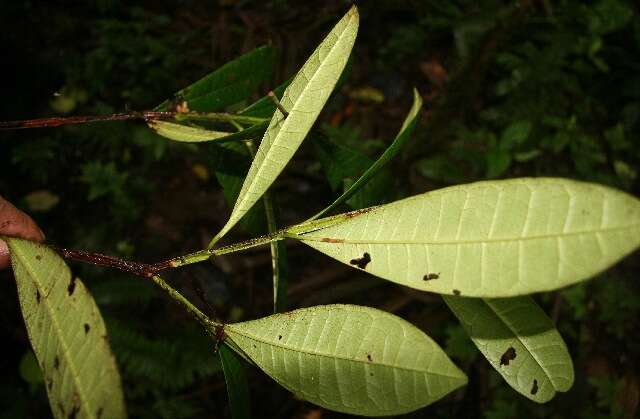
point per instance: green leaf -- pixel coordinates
(519, 341)
(184, 133)
(351, 359)
(304, 98)
(405, 132)
(486, 239)
(229, 84)
(343, 165)
(67, 334)
(237, 385)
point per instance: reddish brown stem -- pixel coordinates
(70, 120)
(136, 268)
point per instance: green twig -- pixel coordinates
(204, 320)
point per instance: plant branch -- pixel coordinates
(205, 321)
(145, 116)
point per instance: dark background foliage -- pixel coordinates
(511, 88)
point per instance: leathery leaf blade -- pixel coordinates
(486, 239)
(303, 99)
(67, 334)
(350, 359)
(519, 341)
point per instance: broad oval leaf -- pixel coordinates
(304, 98)
(486, 239)
(351, 359)
(67, 334)
(519, 341)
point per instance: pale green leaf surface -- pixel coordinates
(304, 98)
(403, 135)
(67, 334)
(487, 239)
(184, 133)
(519, 341)
(351, 359)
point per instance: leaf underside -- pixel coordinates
(304, 98)
(349, 359)
(519, 341)
(486, 239)
(67, 334)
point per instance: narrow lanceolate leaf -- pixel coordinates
(519, 341)
(67, 334)
(235, 377)
(351, 359)
(405, 132)
(486, 239)
(184, 133)
(303, 99)
(227, 85)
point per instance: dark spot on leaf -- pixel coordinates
(431, 276)
(38, 296)
(279, 337)
(99, 413)
(509, 355)
(371, 374)
(72, 285)
(330, 240)
(369, 357)
(38, 257)
(86, 328)
(361, 262)
(456, 292)
(56, 362)
(534, 389)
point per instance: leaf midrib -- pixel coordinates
(326, 355)
(58, 330)
(451, 242)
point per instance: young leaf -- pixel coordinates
(237, 385)
(519, 341)
(486, 239)
(184, 133)
(351, 359)
(67, 334)
(227, 85)
(403, 135)
(303, 99)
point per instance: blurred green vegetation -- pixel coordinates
(511, 88)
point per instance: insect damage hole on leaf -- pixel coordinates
(72, 285)
(456, 292)
(361, 262)
(534, 389)
(430, 276)
(508, 355)
(86, 328)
